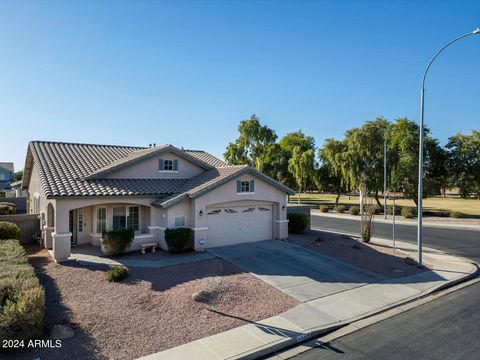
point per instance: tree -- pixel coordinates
(251, 145)
(301, 165)
(404, 143)
(287, 144)
(464, 163)
(362, 159)
(18, 175)
(329, 174)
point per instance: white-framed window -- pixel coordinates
(245, 186)
(168, 165)
(126, 217)
(36, 203)
(101, 219)
(179, 221)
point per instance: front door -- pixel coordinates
(72, 223)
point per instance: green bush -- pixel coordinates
(179, 240)
(398, 209)
(7, 208)
(118, 241)
(117, 273)
(340, 209)
(9, 230)
(377, 209)
(22, 298)
(456, 214)
(443, 213)
(323, 208)
(354, 210)
(297, 223)
(408, 212)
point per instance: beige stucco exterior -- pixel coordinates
(153, 220)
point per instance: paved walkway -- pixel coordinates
(432, 221)
(325, 313)
(89, 255)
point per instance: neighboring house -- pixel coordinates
(6, 175)
(81, 190)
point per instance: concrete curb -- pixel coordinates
(400, 221)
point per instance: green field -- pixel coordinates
(468, 207)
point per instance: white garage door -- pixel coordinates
(237, 224)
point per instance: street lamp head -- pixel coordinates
(476, 31)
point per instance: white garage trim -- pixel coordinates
(281, 221)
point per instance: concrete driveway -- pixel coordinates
(301, 273)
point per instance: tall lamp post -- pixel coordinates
(420, 148)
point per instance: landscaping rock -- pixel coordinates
(409, 261)
(61, 332)
(203, 296)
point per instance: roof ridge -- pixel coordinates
(87, 144)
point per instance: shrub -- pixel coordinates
(118, 241)
(443, 213)
(354, 210)
(22, 299)
(117, 273)
(340, 209)
(7, 208)
(9, 230)
(456, 214)
(179, 240)
(398, 209)
(408, 212)
(297, 223)
(377, 209)
(323, 208)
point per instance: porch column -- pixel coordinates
(47, 233)
(62, 236)
(158, 233)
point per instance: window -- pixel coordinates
(36, 203)
(126, 217)
(80, 220)
(245, 186)
(101, 220)
(167, 165)
(179, 221)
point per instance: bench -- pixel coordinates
(145, 246)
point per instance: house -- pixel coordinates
(6, 174)
(81, 190)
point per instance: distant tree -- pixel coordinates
(329, 174)
(251, 147)
(18, 175)
(301, 165)
(404, 143)
(362, 160)
(464, 163)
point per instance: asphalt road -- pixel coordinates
(461, 242)
(447, 328)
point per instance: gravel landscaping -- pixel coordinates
(150, 311)
(375, 258)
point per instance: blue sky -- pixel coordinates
(186, 72)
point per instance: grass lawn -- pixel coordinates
(468, 207)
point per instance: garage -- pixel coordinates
(239, 224)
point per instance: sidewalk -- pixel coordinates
(432, 221)
(88, 255)
(315, 317)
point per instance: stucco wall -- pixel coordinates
(182, 209)
(148, 169)
(35, 186)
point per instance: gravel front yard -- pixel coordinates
(152, 310)
(375, 258)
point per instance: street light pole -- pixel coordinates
(420, 145)
(385, 175)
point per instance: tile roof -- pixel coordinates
(75, 170)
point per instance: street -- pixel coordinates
(462, 242)
(447, 328)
